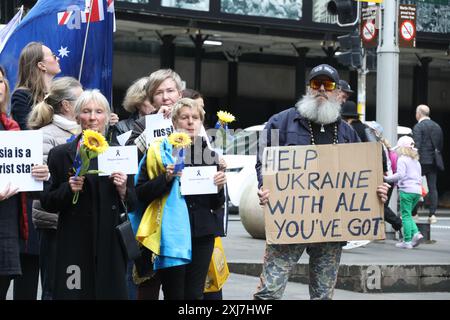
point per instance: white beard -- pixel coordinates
(326, 112)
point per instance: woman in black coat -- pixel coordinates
(91, 263)
(188, 281)
(13, 217)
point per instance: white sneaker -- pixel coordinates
(404, 245)
(432, 219)
(417, 239)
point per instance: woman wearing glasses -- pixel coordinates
(38, 65)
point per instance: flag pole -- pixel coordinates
(85, 40)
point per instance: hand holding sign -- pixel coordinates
(40, 172)
(263, 195)
(119, 179)
(220, 179)
(8, 192)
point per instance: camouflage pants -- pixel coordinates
(279, 259)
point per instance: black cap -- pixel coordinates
(349, 110)
(324, 70)
(345, 86)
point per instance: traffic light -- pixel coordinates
(346, 10)
(350, 50)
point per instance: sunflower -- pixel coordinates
(179, 140)
(94, 141)
(225, 117)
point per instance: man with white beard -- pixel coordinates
(315, 119)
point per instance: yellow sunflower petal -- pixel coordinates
(179, 140)
(225, 117)
(94, 141)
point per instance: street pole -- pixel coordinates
(387, 81)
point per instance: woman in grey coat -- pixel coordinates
(55, 117)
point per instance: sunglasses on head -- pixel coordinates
(327, 84)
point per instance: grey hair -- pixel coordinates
(96, 96)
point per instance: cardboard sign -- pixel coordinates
(156, 126)
(118, 159)
(19, 151)
(323, 193)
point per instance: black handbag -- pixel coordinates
(127, 238)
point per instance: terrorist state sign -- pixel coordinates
(323, 193)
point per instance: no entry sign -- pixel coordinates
(407, 25)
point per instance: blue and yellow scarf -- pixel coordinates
(165, 227)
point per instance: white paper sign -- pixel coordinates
(123, 138)
(198, 180)
(156, 126)
(118, 159)
(19, 150)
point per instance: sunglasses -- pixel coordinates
(327, 84)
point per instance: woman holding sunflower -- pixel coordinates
(189, 220)
(90, 261)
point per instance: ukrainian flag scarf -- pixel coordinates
(165, 227)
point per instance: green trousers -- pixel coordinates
(407, 203)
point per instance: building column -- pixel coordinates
(300, 72)
(198, 42)
(420, 82)
(167, 52)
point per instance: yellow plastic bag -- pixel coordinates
(218, 271)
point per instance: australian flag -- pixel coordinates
(62, 26)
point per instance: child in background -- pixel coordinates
(409, 179)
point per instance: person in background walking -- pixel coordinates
(428, 136)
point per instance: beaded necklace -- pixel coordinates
(322, 129)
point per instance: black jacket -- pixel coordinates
(204, 221)
(123, 126)
(86, 235)
(21, 104)
(427, 136)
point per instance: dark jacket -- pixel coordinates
(138, 128)
(204, 221)
(294, 131)
(360, 129)
(9, 234)
(21, 104)
(427, 136)
(86, 235)
(123, 126)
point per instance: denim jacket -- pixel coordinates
(294, 130)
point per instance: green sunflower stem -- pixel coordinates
(75, 197)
